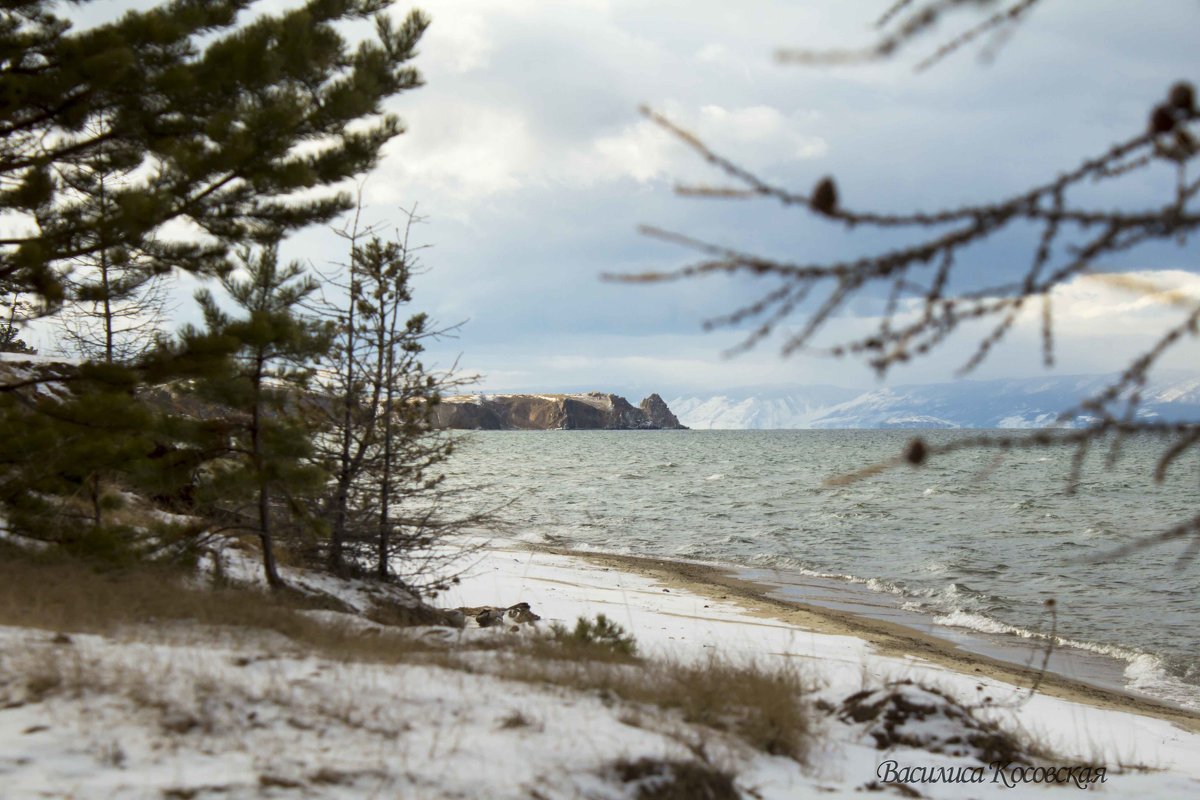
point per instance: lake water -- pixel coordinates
(971, 541)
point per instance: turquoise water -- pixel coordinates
(976, 540)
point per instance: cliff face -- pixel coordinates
(659, 414)
(591, 411)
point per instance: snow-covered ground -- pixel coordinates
(192, 713)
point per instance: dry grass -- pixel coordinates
(515, 720)
(70, 596)
(182, 696)
(765, 707)
(34, 673)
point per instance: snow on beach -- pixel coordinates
(681, 624)
(211, 714)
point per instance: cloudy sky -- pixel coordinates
(526, 152)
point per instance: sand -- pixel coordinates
(887, 638)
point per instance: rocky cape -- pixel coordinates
(544, 412)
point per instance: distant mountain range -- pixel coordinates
(1020, 403)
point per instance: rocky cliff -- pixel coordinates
(659, 414)
(590, 411)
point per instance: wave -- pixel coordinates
(983, 624)
(1144, 672)
(874, 584)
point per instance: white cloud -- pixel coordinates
(1130, 302)
(466, 150)
(627, 365)
(755, 136)
(641, 151)
(457, 43)
(715, 53)
(774, 136)
(474, 150)
(1100, 323)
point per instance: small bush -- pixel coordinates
(109, 545)
(515, 720)
(676, 780)
(603, 635)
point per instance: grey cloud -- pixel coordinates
(525, 215)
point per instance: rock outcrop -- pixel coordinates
(540, 412)
(659, 414)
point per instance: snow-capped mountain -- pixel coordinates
(1018, 403)
(766, 410)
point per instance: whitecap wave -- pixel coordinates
(978, 622)
(1144, 672)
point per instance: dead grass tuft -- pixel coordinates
(183, 793)
(515, 720)
(30, 676)
(268, 781)
(327, 776)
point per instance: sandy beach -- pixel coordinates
(682, 610)
(884, 637)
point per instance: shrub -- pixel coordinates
(603, 635)
(676, 780)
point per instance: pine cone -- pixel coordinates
(825, 196)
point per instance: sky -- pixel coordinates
(527, 155)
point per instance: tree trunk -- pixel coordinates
(387, 357)
(97, 512)
(264, 536)
(105, 289)
(264, 488)
(108, 313)
(341, 501)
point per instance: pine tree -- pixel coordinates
(119, 299)
(74, 454)
(224, 121)
(385, 497)
(11, 341)
(261, 392)
(351, 411)
(117, 315)
(12, 311)
(406, 446)
(195, 117)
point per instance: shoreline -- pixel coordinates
(885, 637)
